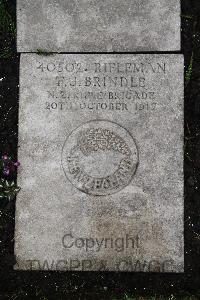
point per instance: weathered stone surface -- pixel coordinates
(98, 25)
(101, 149)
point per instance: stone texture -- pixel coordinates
(98, 25)
(101, 152)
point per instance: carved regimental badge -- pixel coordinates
(100, 157)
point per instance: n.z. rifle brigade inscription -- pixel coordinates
(100, 157)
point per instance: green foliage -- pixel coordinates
(6, 52)
(188, 73)
(7, 31)
(190, 17)
(8, 189)
(6, 22)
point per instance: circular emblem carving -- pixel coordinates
(100, 157)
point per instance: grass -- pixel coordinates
(20, 295)
(188, 73)
(7, 31)
(172, 297)
(189, 17)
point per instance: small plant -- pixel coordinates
(43, 52)
(8, 168)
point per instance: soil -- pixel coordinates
(57, 285)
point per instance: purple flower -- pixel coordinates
(17, 164)
(6, 171)
(5, 157)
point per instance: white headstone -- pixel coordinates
(98, 25)
(101, 149)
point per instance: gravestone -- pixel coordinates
(101, 150)
(98, 25)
